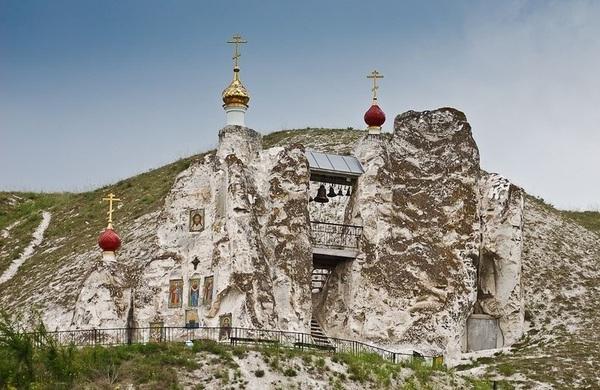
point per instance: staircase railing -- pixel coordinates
(335, 235)
(231, 335)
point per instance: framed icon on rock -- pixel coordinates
(196, 220)
(225, 326)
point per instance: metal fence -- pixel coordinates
(230, 335)
(334, 235)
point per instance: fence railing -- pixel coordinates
(334, 235)
(231, 335)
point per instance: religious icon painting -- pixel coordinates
(207, 291)
(225, 326)
(191, 318)
(175, 293)
(157, 332)
(197, 220)
(194, 295)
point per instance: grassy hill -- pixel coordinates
(560, 262)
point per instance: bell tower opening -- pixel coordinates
(335, 240)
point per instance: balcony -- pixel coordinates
(335, 241)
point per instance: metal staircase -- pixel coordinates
(319, 337)
(319, 278)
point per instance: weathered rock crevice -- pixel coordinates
(499, 274)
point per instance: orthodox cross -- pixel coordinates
(195, 262)
(375, 75)
(237, 40)
(110, 199)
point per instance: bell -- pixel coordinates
(348, 193)
(331, 193)
(340, 192)
(321, 197)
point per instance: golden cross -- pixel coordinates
(375, 75)
(237, 40)
(111, 198)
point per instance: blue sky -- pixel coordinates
(95, 91)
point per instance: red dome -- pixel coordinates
(109, 241)
(374, 117)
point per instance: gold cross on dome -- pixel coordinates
(110, 199)
(375, 75)
(237, 40)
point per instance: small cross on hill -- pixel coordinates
(110, 199)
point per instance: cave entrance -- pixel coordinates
(325, 286)
(483, 329)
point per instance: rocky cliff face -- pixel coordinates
(499, 293)
(255, 246)
(414, 283)
(441, 240)
(434, 226)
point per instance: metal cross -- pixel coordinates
(110, 199)
(375, 75)
(195, 262)
(237, 40)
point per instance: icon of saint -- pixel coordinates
(194, 293)
(196, 221)
(175, 291)
(208, 290)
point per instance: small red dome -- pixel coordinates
(374, 117)
(109, 240)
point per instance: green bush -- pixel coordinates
(259, 373)
(36, 360)
(212, 347)
(17, 358)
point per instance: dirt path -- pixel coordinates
(38, 236)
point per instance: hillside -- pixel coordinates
(561, 281)
(77, 218)
(561, 277)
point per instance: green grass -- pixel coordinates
(326, 140)
(588, 219)
(370, 368)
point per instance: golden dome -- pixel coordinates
(236, 93)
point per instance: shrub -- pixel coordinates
(289, 372)
(16, 355)
(259, 373)
(307, 359)
(212, 347)
(506, 369)
(239, 352)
